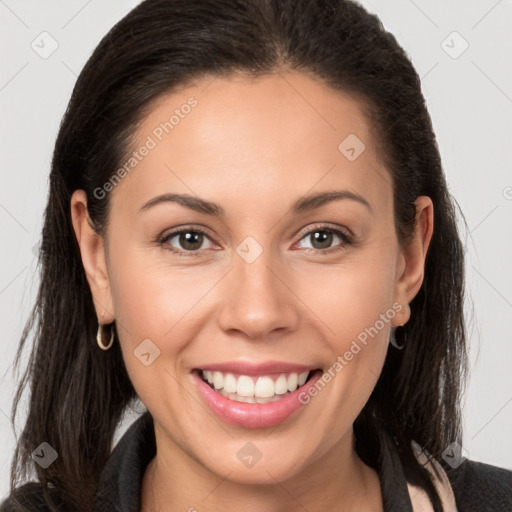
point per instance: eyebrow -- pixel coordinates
(305, 203)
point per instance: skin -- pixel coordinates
(254, 147)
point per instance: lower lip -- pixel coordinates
(253, 415)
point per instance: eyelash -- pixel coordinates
(346, 238)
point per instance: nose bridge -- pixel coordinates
(256, 301)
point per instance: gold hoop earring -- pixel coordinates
(99, 338)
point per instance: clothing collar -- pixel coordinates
(121, 480)
(419, 498)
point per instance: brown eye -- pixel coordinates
(190, 240)
(185, 241)
(322, 238)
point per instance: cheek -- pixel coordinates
(351, 296)
(143, 306)
(150, 298)
(151, 314)
(353, 306)
(355, 311)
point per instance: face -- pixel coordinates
(263, 273)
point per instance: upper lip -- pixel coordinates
(264, 368)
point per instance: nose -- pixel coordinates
(258, 299)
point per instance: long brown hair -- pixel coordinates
(77, 395)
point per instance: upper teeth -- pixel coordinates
(261, 387)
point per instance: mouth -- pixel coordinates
(252, 400)
(256, 389)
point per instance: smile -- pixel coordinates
(254, 396)
(254, 389)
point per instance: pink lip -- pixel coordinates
(252, 415)
(266, 368)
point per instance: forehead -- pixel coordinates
(286, 133)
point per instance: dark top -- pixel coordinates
(477, 487)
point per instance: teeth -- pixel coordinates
(281, 385)
(218, 381)
(257, 388)
(244, 385)
(264, 388)
(249, 399)
(293, 380)
(229, 383)
(303, 377)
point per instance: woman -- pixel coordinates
(249, 230)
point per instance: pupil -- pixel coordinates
(189, 240)
(324, 238)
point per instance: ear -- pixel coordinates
(93, 255)
(411, 264)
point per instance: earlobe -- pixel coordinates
(414, 256)
(93, 257)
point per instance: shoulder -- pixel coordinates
(30, 496)
(120, 483)
(481, 487)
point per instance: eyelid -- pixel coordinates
(186, 227)
(325, 226)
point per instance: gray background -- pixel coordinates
(469, 97)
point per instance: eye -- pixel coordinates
(322, 237)
(190, 241)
